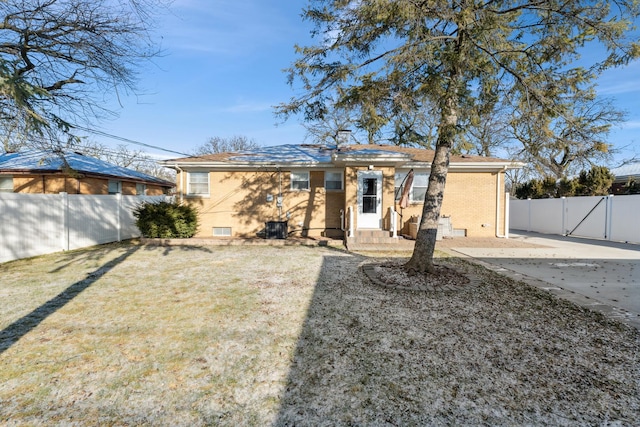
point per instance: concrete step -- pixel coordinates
(377, 240)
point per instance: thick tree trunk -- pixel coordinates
(421, 261)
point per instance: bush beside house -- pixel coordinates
(166, 220)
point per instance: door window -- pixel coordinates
(369, 195)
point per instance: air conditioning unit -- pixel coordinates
(275, 230)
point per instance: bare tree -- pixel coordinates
(233, 144)
(59, 57)
(124, 156)
(572, 136)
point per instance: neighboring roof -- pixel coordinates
(49, 162)
(320, 155)
(623, 173)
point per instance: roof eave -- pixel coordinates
(356, 158)
(244, 165)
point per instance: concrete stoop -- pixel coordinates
(377, 240)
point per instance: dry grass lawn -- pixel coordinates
(139, 335)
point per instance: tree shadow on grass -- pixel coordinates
(368, 355)
(97, 253)
(18, 329)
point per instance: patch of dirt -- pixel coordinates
(393, 274)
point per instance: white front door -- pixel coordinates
(370, 199)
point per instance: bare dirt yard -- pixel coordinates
(128, 334)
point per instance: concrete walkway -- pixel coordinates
(600, 275)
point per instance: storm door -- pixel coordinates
(370, 199)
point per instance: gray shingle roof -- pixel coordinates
(626, 171)
(305, 154)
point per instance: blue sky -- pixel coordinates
(222, 73)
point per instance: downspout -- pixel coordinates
(181, 182)
(498, 234)
(279, 199)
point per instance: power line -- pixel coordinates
(130, 141)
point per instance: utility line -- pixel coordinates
(130, 141)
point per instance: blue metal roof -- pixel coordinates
(41, 161)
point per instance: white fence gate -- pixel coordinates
(37, 224)
(597, 217)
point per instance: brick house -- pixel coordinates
(627, 179)
(73, 173)
(322, 191)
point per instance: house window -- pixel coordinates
(222, 231)
(115, 187)
(6, 184)
(333, 180)
(198, 183)
(299, 180)
(141, 189)
(399, 178)
(419, 187)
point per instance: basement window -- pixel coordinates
(222, 231)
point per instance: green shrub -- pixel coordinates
(166, 220)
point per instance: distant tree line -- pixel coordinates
(597, 181)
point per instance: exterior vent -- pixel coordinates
(275, 230)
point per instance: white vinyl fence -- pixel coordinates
(37, 224)
(597, 217)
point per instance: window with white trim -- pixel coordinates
(419, 187)
(398, 179)
(115, 187)
(299, 180)
(222, 231)
(333, 180)
(197, 183)
(6, 184)
(141, 189)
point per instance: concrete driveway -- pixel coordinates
(601, 275)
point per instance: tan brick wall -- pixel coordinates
(239, 200)
(94, 186)
(49, 184)
(155, 190)
(54, 184)
(470, 201)
(128, 189)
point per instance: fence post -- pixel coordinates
(507, 207)
(563, 229)
(64, 200)
(608, 217)
(529, 214)
(119, 215)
